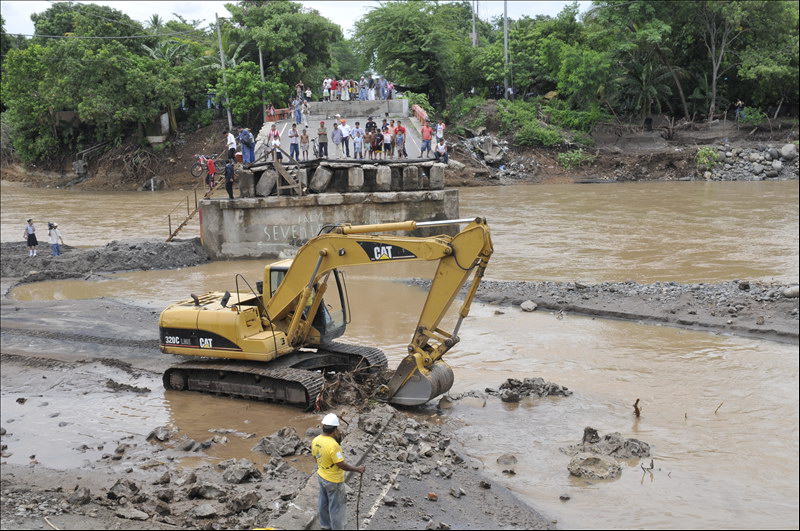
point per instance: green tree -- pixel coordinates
(245, 89)
(292, 39)
(404, 42)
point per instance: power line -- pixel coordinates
(150, 36)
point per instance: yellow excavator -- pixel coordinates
(275, 343)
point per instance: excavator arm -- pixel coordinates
(422, 374)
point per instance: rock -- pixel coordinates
(241, 471)
(507, 395)
(507, 460)
(186, 480)
(612, 444)
(564, 497)
(773, 153)
(457, 492)
(80, 496)
(772, 173)
(123, 488)
(792, 292)
(313, 431)
(485, 484)
(789, 151)
(432, 496)
(389, 501)
(206, 491)
(161, 433)
(2, 431)
(777, 165)
(131, 513)
(757, 169)
(411, 435)
(528, 306)
(456, 165)
(190, 445)
(283, 442)
(166, 495)
(744, 285)
(205, 510)
(707, 175)
(244, 502)
(593, 466)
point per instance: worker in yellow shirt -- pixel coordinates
(330, 470)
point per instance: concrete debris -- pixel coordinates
(161, 433)
(593, 466)
(283, 442)
(528, 306)
(131, 513)
(80, 496)
(241, 470)
(123, 488)
(206, 491)
(612, 444)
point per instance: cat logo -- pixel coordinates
(381, 251)
(205, 342)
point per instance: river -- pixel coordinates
(733, 465)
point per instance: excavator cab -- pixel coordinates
(332, 317)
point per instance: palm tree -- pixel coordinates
(644, 84)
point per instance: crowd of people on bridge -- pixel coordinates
(367, 88)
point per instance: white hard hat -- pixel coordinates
(330, 420)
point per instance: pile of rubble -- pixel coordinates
(594, 457)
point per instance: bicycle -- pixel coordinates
(200, 166)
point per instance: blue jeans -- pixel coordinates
(298, 116)
(442, 157)
(55, 249)
(294, 151)
(332, 504)
(248, 154)
(426, 146)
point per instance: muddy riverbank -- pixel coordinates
(71, 365)
(767, 311)
(75, 262)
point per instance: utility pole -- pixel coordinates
(261, 66)
(474, 32)
(505, 43)
(222, 62)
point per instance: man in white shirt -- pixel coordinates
(230, 143)
(346, 138)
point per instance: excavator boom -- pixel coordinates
(421, 375)
(268, 335)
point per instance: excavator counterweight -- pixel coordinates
(275, 343)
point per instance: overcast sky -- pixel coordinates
(17, 14)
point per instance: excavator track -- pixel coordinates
(295, 379)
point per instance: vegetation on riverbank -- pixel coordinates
(619, 62)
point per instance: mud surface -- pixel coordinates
(122, 255)
(61, 359)
(768, 311)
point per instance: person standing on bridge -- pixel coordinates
(400, 140)
(294, 143)
(331, 467)
(427, 136)
(322, 140)
(336, 136)
(357, 131)
(230, 142)
(346, 137)
(274, 137)
(304, 143)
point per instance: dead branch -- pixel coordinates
(636, 410)
(719, 406)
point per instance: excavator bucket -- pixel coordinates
(420, 388)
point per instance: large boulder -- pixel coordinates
(789, 151)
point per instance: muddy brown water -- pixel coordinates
(735, 466)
